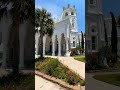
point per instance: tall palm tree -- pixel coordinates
(21, 10)
(44, 22)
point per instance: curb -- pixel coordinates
(59, 82)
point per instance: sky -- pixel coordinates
(55, 7)
(111, 5)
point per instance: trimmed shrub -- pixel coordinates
(74, 51)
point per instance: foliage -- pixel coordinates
(92, 61)
(82, 41)
(53, 67)
(44, 24)
(114, 40)
(82, 82)
(113, 79)
(11, 81)
(82, 59)
(74, 51)
(106, 40)
(22, 10)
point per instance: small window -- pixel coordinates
(72, 13)
(93, 43)
(73, 43)
(66, 14)
(91, 2)
(93, 30)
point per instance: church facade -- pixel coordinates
(94, 33)
(65, 35)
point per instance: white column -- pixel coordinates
(67, 47)
(21, 61)
(4, 57)
(5, 48)
(44, 43)
(22, 36)
(37, 43)
(59, 46)
(53, 48)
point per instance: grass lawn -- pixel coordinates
(82, 59)
(19, 82)
(113, 79)
(53, 67)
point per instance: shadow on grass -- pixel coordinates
(113, 79)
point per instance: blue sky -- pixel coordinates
(113, 5)
(55, 7)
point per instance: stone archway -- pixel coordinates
(56, 45)
(63, 44)
(48, 45)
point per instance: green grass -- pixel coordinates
(19, 82)
(82, 59)
(53, 67)
(113, 79)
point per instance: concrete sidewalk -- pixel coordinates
(43, 84)
(77, 66)
(93, 84)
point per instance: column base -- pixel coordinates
(59, 54)
(53, 54)
(68, 54)
(21, 67)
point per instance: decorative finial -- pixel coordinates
(68, 5)
(63, 8)
(74, 6)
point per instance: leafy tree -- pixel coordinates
(106, 40)
(114, 41)
(82, 41)
(44, 24)
(118, 22)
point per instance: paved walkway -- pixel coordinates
(43, 84)
(77, 66)
(93, 84)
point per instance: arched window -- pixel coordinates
(72, 13)
(66, 14)
(73, 43)
(73, 23)
(93, 42)
(91, 1)
(93, 30)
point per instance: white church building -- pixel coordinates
(65, 35)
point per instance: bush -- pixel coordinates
(53, 67)
(82, 82)
(74, 51)
(92, 61)
(12, 82)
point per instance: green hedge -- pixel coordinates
(14, 82)
(53, 67)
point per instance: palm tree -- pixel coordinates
(21, 10)
(44, 22)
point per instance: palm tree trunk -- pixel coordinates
(41, 45)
